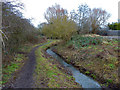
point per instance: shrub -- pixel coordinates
(61, 28)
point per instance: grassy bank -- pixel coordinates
(94, 56)
(13, 63)
(49, 73)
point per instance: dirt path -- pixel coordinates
(25, 78)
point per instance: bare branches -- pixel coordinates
(54, 12)
(98, 19)
(89, 19)
(2, 38)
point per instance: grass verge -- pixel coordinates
(48, 74)
(8, 70)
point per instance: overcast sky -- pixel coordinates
(35, 8)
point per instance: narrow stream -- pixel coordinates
(83, 80)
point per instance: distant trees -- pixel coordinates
(89, 20)
(59, 25)
(81, 17)
(84, 20)
(114, 26)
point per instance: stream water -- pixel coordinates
(85, 81)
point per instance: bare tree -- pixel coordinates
(89, 20)
(98, 18)
(54, 12)
(81, 17)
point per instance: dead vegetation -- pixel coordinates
(100, 59)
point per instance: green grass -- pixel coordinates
(87, 72)
(111, 66)
(109, 81)
(49, 73)
(12, 67)
(93, 76)
(16, 63)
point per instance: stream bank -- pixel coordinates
(49, 73)
(83, 80)
(103, 82)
